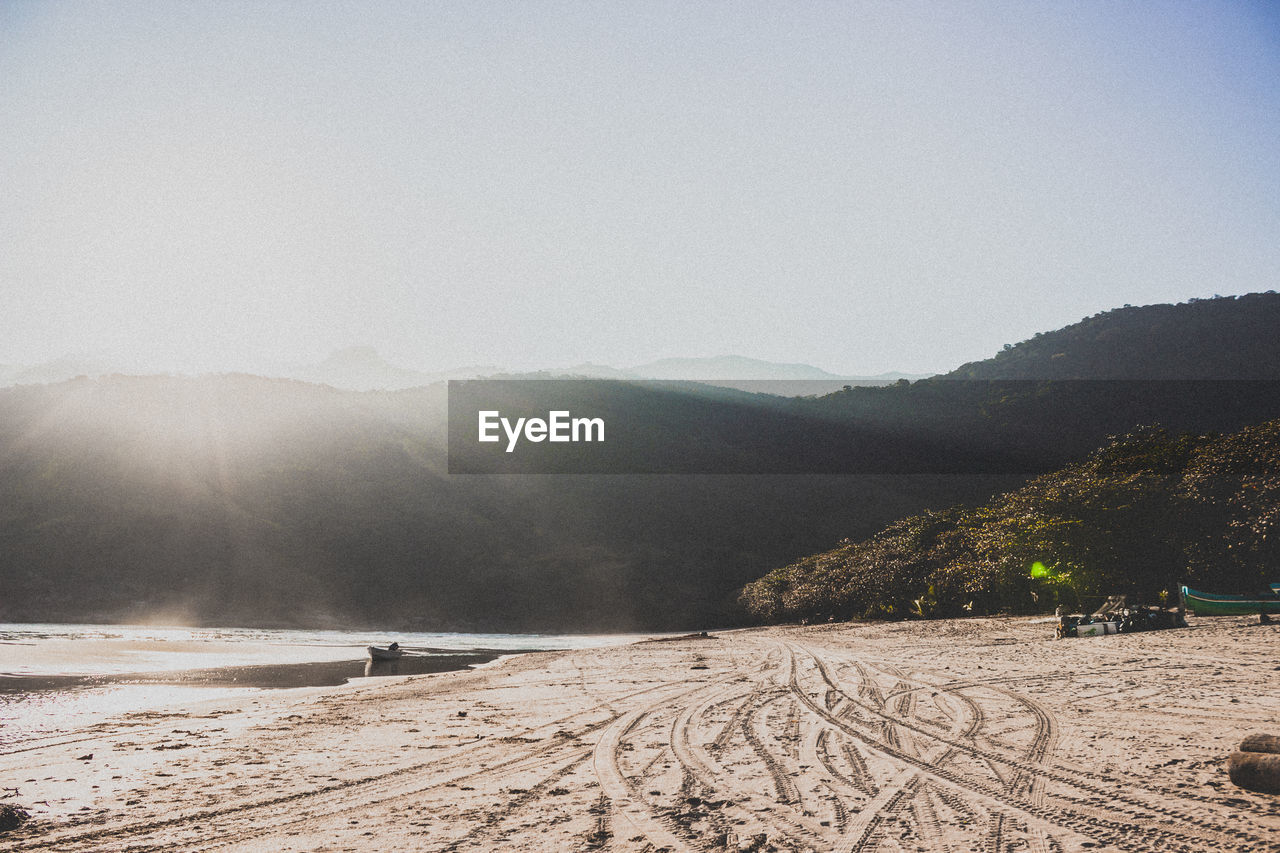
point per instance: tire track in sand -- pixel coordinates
(266, 815)
(1140, 827)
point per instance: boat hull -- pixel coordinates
(376, 653)
(1212, 604)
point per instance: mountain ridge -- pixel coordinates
(1226, 337)
(363, 368)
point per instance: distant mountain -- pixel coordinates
(1228, 337)
(735, 371)
(362, 368)
(590, 370)
(728, 367)
(762, 377)
(726, 371)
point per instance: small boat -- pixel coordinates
(1213, 604)
(376, 653)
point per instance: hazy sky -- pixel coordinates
(861, 186)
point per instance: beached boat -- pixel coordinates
(1213, 604)
(376, 653)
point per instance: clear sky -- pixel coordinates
(861, 186)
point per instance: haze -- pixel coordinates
(864, 187)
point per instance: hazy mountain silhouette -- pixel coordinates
(728, 371)
(362, 368)
(727, 367)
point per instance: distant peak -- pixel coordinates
(728, 367)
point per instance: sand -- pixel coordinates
(973, 735)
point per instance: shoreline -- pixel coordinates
(870, 736)
(280, 676)
(46, 705)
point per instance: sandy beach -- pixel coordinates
(981, 734)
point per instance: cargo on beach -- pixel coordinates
(1116, 617)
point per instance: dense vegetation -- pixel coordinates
(1143, 514)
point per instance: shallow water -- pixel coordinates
(58, 678)
(53, 650)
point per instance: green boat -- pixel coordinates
(1211, 604)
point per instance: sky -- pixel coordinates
(866, 187)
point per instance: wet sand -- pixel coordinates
(981, 734)
(262, 676)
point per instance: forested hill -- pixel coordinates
(1232, 337)
(1140, 516)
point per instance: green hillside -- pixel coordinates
(1147, 512)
